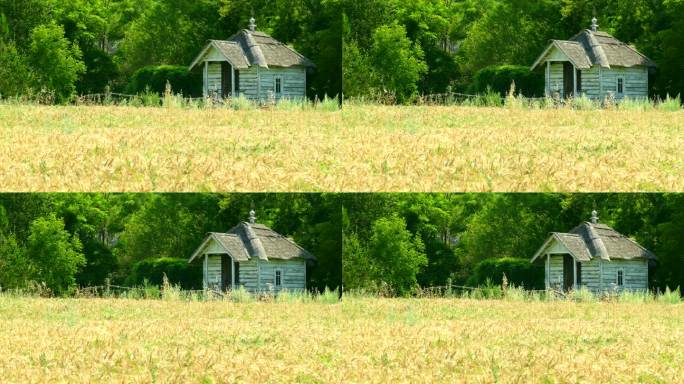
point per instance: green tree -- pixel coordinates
(171, 32)
(15, 74)
(398, 62)
(15, 268)
(359, 74)
(55, 254)
(56, 61)
(397, 254)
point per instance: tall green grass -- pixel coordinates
(490, 291)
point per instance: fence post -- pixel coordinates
(107, 286)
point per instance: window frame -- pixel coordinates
(278, 278)
(277, 83)
(620, 85)
(620, 278)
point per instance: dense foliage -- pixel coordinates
(472, 238)
(445, 42)
(506, 78)
(65, 240)
(177, 270)
(154, 79)
(519, 272)
(62, 48)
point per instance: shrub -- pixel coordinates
(178, 271)
(582, 103)
(519, 272)
(499, 79)
(669, 297)
(55, 62)
(489, 98)
(155, 78)
(635, 104)
(670, 104)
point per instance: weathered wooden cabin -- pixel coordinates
(596, 257)
(594, 64)
(252, 64)
(252, 256)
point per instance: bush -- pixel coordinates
(499, 79)
(519, 272)
(178, 271)
(670, 104)
(154, 78)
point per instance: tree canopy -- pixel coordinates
(68, 240)
(460, 38)
(83, 46)
(468, 238)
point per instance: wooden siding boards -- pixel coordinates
(293, 84)
(601, 83)
(213, 278)
(255, 83)
(293, 275)
(259, 276)
(602, 60)
(635, 275)
(600, 276)
(556, 272)
(248, 275)
(259, 252)
(635, 82)
(590, 275)
(213, 84)
(556, 80)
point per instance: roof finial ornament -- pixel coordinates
(594, 216)
(252, 216)
(594, 25)
(252, 24)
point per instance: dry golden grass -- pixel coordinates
(359, 340)
(362, 148)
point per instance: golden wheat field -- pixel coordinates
(361, 148)
(358, 340)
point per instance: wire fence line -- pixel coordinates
(454, 287)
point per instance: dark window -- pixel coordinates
(278, 85)
(620, 85)
(236, 270)
(277, 278)
(237, 82)
(620, 278)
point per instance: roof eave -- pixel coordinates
(546, 51)
(542, 248)
(210, 44)
(539, 59)
(201, 54)
(197, 251)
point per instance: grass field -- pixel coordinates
(358, 340)
(362, 148)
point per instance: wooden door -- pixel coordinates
(226, 264)
(568, 272)
(226, 79)
(568, 79)
(579, 274)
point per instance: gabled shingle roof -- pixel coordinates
(589, 48)
(589, 240)
(246, 241)
(248, 48)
